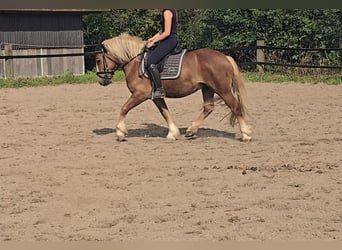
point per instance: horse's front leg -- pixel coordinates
(174, 133)
(133, 101)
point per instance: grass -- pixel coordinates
(334, 79)
(90, 77)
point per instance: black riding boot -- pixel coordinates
(158, 91)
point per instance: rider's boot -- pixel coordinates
(158, 90)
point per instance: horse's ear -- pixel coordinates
(103, 48)
(99, 46)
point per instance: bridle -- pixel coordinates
(108, 74)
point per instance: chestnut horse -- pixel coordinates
(203, 69)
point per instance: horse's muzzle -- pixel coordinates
(105, 78)
(105, 81)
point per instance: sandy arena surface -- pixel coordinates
(63, 176)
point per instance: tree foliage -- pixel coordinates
(217, 28)
(138, 22)
(228, 28)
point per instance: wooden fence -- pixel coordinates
(46, 62)
(262, 55)
(40, 61)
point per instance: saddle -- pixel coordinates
(169, 67)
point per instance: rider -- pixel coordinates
(167, 39)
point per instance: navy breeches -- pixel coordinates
(162, 49)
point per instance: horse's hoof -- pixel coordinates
(121, 134)
(121, 139)
(189, 133)
(171, 138)
(190, 137)
(246, 139)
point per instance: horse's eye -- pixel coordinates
(98, 61)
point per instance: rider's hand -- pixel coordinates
(149, 43)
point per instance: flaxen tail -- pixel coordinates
(238, 90)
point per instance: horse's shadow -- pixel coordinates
(154, 130)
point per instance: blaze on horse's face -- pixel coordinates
(105, 67)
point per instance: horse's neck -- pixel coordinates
(132, 66)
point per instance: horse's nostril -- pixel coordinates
(104, 81)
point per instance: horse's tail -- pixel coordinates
(238, 90)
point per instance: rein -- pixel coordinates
(124, 64)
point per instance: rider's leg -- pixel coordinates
(158, 90)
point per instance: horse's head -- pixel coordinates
(116, 53)
(106, 65)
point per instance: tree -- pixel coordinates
(228, 28)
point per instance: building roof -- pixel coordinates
(82, 11)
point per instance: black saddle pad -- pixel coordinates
(172, 66)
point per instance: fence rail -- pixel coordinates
(40, 62)
(258, 51)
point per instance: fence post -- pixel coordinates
(260, 55)
(9, 71)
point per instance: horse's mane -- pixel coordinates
(124, 47)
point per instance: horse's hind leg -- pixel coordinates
(245, 129)
(208, 108)
(235, 108)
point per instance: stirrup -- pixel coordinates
(158, 93)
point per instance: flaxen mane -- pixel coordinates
(124, 47)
